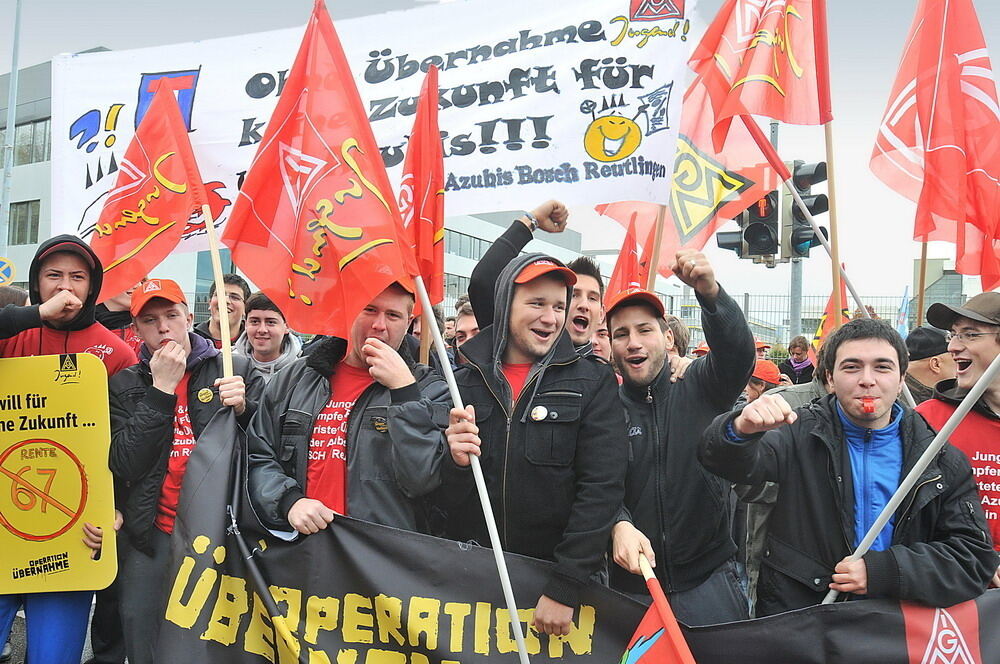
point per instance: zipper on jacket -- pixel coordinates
(913, 496)
(666, 580)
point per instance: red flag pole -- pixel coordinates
(676, 637)
(220, 292)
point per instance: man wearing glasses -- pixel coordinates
(973, 334)
(237, 294)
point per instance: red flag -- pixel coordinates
(829, 321)
(939, 142)
(157, 190)
(766, 58)
(708, 188)
(658, 639)
(626, 272)
(421, 192)
(315, 225)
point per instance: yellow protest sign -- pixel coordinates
(54, 477)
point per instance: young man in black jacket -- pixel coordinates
(547, 427)
(674, 511)
(838, 461)
(158, 409)
(354, 427)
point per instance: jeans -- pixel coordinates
(144, 598)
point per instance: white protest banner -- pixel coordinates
(578, 101)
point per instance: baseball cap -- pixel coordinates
(762, 344)
(925, 342)
(702, 349)
(71, 247)
(164, 288)
(635, 295)
(545, 266)
(983, 308)
(767, 371)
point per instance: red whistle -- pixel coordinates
(868, 403)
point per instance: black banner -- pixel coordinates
(359, 593)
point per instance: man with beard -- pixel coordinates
(674, 511)
(551, 446)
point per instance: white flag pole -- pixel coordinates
(477, 473)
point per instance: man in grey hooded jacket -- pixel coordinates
(266, 339)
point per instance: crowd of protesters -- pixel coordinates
(746, 483)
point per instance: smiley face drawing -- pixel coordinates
(610, 137)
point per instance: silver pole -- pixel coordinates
(8, 148)
(477, 473)
(925, 459)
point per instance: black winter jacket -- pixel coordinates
(553, 460)
(682, 508)
(941, 552)
(142, 430)
(395, 442)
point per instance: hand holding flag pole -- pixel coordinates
(987, 379)
(477, 473)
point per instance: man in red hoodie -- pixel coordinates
(64, 272)
(64, 280)
(973, 334)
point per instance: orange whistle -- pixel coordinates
(868, 403)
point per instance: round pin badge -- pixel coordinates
(538, 413)
(205, 395)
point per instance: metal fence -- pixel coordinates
(768, 315)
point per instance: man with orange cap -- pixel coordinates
(675, 512)
(547, 426)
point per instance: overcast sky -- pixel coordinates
(866, 40)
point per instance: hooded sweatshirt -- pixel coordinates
(291, 348)
(83, 334)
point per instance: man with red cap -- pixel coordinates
(762, 349)
(674, 511)
(159, 407)
(63, 281)
(548, 428)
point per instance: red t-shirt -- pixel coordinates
(326, 471)
(166, 509)
(979, 437)
(516, 375)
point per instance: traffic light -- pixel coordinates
(762, 229)
(797, 234)
(759, 230)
